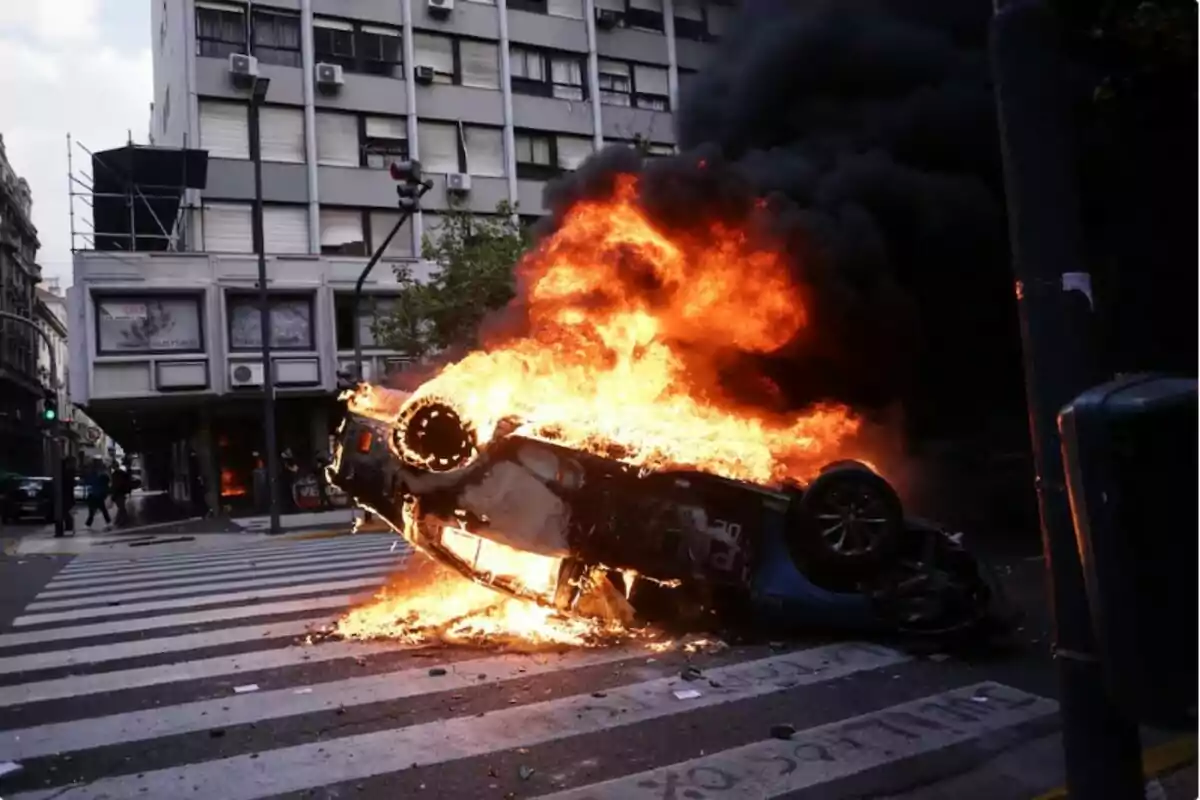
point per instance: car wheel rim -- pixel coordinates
(851, 520)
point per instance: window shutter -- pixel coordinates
(647, 5)
(650, 80)
(485, 151)
(572, 150)
(689, 9)
(480, 64)
(381, 224)
(226, 228)
(340, 227)
(337, 139)
(386, 128)
(565, 8)
(611, 5)
(225, 129)
(282, 134)
(437, 52)
(285, 229)
(438, 143)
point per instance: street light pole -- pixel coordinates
(412, 188)
(257, 96)
(1054, 301)
(55, 443)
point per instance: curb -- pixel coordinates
(1156, 761)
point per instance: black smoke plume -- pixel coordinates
(869, 130)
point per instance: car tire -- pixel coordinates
(846, 523)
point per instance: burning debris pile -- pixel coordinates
(430, 604)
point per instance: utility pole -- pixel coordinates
(55, 442)
(1054, 300)
(258, 94)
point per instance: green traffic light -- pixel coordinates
(50, 414)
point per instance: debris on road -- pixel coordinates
(691, 674)
(525, 772)
(686, 694)
(249, 687)
(783, 731)
(437, 672)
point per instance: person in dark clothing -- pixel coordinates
(121, 486)
(290, 471)
(67, 488)
(97, 493)
(323, 482)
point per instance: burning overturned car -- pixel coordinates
(597, 458)
(591, 535)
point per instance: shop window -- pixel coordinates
(146, 324)
(289, 316)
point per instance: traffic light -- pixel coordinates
(408, 175)
(49, 409)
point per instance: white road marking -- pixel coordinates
(100, 653)
(225, 712)
(821, 755)
(221, 558)
(198, 592)
(88, 563)
(199, 669)
(260, 775)
(205, 575)
(115, 627)
(248, 596)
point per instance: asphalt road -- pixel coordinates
(177, 675)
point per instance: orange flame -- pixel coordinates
(628, 327)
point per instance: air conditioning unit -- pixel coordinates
(458, 182)
(423, 74)
(439, 9)
(242, 375)
(607, 19)
(330, 76)
(243, 68)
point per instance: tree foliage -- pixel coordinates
(474, 256)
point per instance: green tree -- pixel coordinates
(474, 257)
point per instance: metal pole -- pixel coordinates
(358, 370)
(1100, 745)
(55, 442)
(264, 305)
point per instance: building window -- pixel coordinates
(371, 49)
(220, 29)
(536, 6)
(147, 324)
(547, 74)
(225, 129)
(385, 139)
(572, 9)
(285, 229)
(536, 157)
(281, 134)
(645, 14)
(437, 53)
(372, 308)
(484, 148)
(455, 147)
(637, 85)
(382, 223)
(276, 37)
(616, 83)
(337, 139)
(289, 318)
(571, 151)
(439, 146)
(342, 232)
(480, 64)
(462, 62)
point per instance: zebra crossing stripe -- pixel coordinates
(152, 580)
(247, 596)
(108, 598)
(107, 562)
(272, 772)
(193, 561)
(141, 624)
(100, 653)
(225, 712)
(828, 753)
(200, 669)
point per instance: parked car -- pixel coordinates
(595, 536)
(26, 497)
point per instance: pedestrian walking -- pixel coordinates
(97, 482)
(67, 489)
(121, 486)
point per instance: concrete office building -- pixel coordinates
(494, 98)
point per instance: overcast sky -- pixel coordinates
(77, 66)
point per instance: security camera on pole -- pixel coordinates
(411, 187)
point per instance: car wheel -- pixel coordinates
(847, 522)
